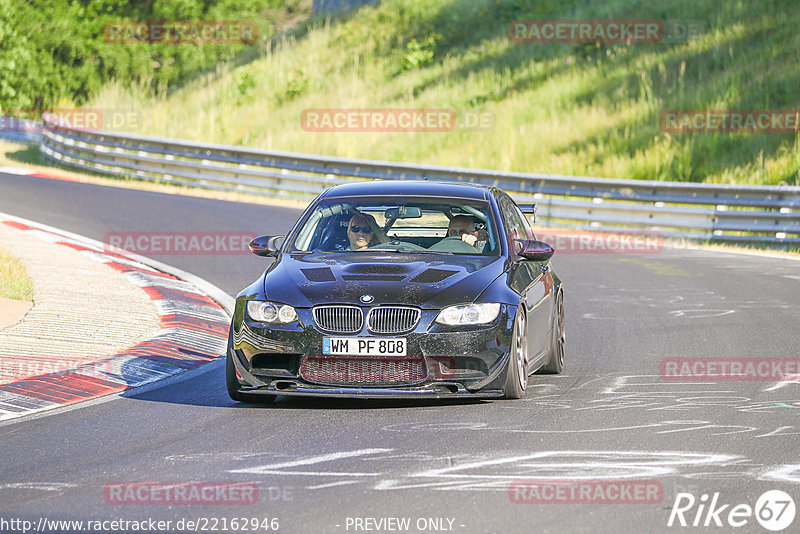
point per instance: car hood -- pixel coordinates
(428, 281)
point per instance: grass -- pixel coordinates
(575, 109)
(15, 283)
(791, 251)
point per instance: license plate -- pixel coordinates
(364, 346)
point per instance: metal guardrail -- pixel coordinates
(323, 7)
(743, 213)
(19, 130)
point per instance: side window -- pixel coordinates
(528, 233)
(517, 226)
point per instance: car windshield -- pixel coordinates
(365, 224)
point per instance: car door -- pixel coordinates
(532, 280)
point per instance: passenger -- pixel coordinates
(363, 232)
(463, 227)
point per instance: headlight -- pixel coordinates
(468, 314)
(269, 312)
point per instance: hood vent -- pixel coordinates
(319, 275)
(432, 276)
(372, 277)
(376, 269)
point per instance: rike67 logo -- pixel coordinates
(774, 510)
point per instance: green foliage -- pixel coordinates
(420, 53)
(295, 87)
(56, 49)
(245, 83)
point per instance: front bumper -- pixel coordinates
(429, 391)
(459, 362)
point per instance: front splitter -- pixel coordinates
(431, 391)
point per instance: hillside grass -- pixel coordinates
(576, 109)
(15, 283)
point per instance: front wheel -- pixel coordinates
(558, 340)
(517, 373)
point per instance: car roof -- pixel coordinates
(428, 188)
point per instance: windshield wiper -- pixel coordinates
(403, 250)
(432, 252)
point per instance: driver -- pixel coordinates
(463, 227)
(363, 232)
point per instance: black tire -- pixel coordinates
(231, 381)
(232, 384)
(558, 339)
(517, 373)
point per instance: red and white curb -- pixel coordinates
(194, 330)
(36, 174)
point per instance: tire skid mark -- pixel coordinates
(497, 471)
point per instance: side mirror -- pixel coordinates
(534, 250)
(265, 245)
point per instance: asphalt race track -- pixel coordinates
(318, 462)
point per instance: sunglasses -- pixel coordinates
(361, 229)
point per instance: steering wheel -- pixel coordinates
(453, 244)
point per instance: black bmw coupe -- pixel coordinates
(399, 289)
